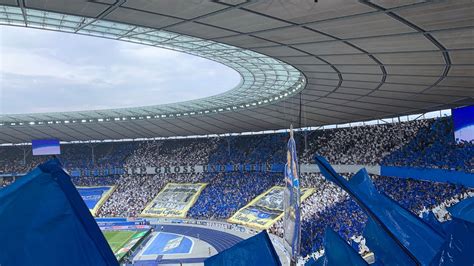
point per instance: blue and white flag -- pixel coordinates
(292, 201)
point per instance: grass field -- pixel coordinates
(121, 242)
(118, 239)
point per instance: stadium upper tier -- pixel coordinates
(333, 61)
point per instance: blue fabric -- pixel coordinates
(257, 250)
(338, 252)
(459, 248)
(45, 222)
(313, 262)
(463, 210)
(386, 250)
(431, 220)
(429, 174)
(415, 237)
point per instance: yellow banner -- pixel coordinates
(267, 208)
(174, 200)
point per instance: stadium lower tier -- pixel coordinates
(254, 200)
(425, 143)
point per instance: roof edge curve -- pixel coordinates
(264, 80)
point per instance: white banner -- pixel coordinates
(304, 168)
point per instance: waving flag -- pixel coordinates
(292, 201)
(419, 241)
(338, 252)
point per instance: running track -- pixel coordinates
(218, 239)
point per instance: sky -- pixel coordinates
(46, 71)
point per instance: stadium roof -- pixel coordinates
(334, 61)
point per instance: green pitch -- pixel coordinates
(117, 239)
(123, 241)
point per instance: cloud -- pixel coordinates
(43, 71)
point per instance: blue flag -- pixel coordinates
(430, 219)
(44, 221)
(257, 250)
(463, 210)
(338, 252)
(292, 201)
(386, 250)
(459, 248)
(414, 237)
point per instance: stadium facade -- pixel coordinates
(301, 62)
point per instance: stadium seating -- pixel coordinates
(226, 193)
(435, 147)
(420, 143)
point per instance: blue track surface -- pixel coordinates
(218, 239)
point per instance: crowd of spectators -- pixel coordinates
(19, 159)
(328, 206)
(255, 149)
(228, 192)
(366, 145)
(420, 143)
(134, 192)
(5, 182)
(333, 208)
(440, 211)
(435, 147)
(174, 152)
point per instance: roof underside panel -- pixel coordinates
(337, 61)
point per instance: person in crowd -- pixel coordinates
(425, 143)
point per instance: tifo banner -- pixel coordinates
(292, 201)
(94, 197)
(224, 168)
(263, 211)
(174, 200)
(77, 172)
